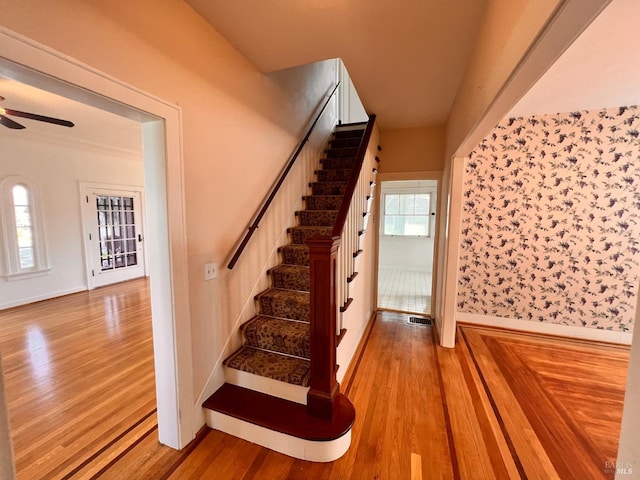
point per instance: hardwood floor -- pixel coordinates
(561, 408)
(500, 405)
(79, 379)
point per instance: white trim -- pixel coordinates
(447, 327)
(433, 175)
(629, 444)
(30, 62)
(326, 451)
(39, 298)
(12, 277)
(582, 333)
(275, 388)
(81, 144)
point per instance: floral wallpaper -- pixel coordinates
(551, 221)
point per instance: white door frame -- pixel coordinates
(27, 61)
(407, 176)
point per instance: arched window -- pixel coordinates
(22, 229)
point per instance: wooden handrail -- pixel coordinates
(338, 227)
(276, 186)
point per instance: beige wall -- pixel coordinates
(412, 149)
(508, 30)
(238, 126)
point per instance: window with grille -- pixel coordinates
(24, 226)
(23, 235)
(116, 232)
(407, 214)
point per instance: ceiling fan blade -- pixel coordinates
(40, 118)
(7, 122)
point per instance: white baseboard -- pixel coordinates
(275, 388)
(44, 296)
(322, 451)
(582, 333)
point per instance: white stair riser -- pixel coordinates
(275, 388)
(322, 451)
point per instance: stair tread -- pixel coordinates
(281, 415)
(339, 134)
(283, 303)
(323, 202)
(331, 182)
(319, 211)
(320, 218)
(333, 174)
(340, 163)
(291, 267)
(284, 368)
(295, 254)
(329, 188)
(279, 335)
(311, 227)
(301, 233)
(290, 277)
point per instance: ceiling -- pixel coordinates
(405, 57)
(601, 69)
(93, 127)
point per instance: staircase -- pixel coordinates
(268, 377)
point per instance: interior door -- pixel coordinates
(114, 235)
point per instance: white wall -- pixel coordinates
(57, 168)
(351, 109)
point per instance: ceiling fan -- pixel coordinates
(7, 122)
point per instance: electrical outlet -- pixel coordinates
(210, 271)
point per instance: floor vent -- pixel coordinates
(420, 321)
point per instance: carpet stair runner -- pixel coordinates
(276, 341)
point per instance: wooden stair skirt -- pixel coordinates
(267, 398)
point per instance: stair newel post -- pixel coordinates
(322, 309)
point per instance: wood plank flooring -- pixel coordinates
(501, 405)
(569, 400)
(79, 379)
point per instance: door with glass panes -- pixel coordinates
(115, 240)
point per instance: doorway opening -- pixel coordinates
(28, 62)
(406, 245)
